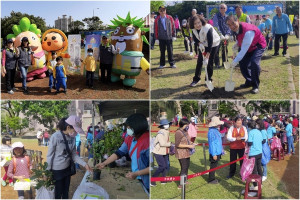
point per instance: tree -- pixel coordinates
(93, 23)
(227, 108)
(76, 27)
(154, 5)
(264, 107)
(292, 8)
(14, 18)
(189, 108)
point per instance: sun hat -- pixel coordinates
(164, 122)
(17, 145)
(215, 121)
(75, 121)
(254, 117)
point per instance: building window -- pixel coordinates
(214, 106)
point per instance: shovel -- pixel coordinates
(208, 83)
(229, 84)
(226, 64)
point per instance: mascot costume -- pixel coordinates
(128, 37)
(54, 40)
(26, 29)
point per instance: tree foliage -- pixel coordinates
(265, 107)
(76, 27)
(154, 5)
(7, 22)
(93, 23)
(227, 108)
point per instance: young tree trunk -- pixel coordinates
(178, 108)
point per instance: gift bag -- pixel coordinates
(247, 168)
(266, 154)
(276, 143)
(44, 193)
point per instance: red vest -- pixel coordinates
(238, 144)
(258, 37)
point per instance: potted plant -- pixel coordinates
(98, 152)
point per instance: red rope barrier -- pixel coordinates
(152, 131)
(177, 178)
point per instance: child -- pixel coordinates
(6, 154)
(106, 59)
(60, 75)
(90, 67)
(51, 66)
(20, 166)
(187, 39)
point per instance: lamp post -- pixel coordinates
(93, 11)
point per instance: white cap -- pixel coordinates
(17, 145)
(193, 119)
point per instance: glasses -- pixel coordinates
(222, 7)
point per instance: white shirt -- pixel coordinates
(232, 139)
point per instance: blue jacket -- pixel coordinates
(214, 141)
(142, 154)
(77, 140)
(220, 24)
(281, 25)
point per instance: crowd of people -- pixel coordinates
(210, 36)
(245, 135)
(20, 58)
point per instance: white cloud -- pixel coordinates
(261, 8)
(270, 12)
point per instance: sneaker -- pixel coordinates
(255, 91)
(264, 178)
(229, 177)
(245, 86)
(153, 185)
(56, 92)
(14, 89)
(10, 92)
(218, 66)
(284, 54)
(275, 54)
(49, 90)
(214, 182)
(163, 183)
(3, 183)
(252, 194)
(193, 84)
(191, 54)
(65, 91)
(160, 67)
(173, 66)
(21, 197)
(293, 153)
(11, 184)
(26, 91)
(186, 52)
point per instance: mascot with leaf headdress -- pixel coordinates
(128, 37)
(26, 29)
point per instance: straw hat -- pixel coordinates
(215, 121)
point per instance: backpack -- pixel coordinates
(46, 135)
(15, 163)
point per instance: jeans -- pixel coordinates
(163, 44)
(210, 70)
(269, 42)
(46, 141)
(152, 40)
(89, 78)
(257, 166)
(24, 70)
(264, 170)
(162, 161)
(250, 67)
(188, 44)
(78, 153)
(277, 42)
(10, 78)
(51, 80)
(290, 140)
(184, 166)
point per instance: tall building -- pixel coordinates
(64, 23)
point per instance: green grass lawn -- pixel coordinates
(171, 83)
(198, 187)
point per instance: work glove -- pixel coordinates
(227, 37)
(222, 37)
(173, 39)
(205, 62)
(156, 41)
(291, 32)
(186, 38)
(233, 64)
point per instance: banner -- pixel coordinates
(291, 18)
(74, 50)
(250, 9)
(93, 41)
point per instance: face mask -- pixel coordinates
(186, 128)
(166, 126)
(97, 129)
(90, 54)
(129, 132)
(91, 129)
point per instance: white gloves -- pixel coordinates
(205, 62)
(222, 37)
(226, 37)
(270, 35)
(173, 39)
(233, 64)
(156, 41)
(186, 38)
(291, 32)
(264, 33)
(201, 47)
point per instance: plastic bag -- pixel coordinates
(276, 143)
(90, 189)
(44, 193)
(247, 168)
(266, 154)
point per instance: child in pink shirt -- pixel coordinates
(19, 167)
(192, 130)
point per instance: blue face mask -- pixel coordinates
(90, 54)
(129, 132)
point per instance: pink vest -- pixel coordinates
(258, 37)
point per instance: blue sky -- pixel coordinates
(50, 10)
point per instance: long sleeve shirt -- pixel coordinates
(90, 63)
(281, 25)
(21, 168)
(57, 155)
(59, 72)
(220, 24)
(232, 139)
(247, 40)
(214, 141)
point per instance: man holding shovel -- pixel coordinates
(252, 45)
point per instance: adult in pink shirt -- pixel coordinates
(193, 130)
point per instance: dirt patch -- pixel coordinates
(181, 57)
(76, 89)
(287, 171)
